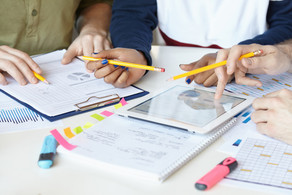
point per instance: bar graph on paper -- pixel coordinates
(264, 162)
(16, 117)
(270, 83)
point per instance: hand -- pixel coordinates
(86, 43)
(207, 78)
(118, 76)
(273, 114)
(17, 64)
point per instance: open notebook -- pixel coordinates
(139, 148)
(71, 89)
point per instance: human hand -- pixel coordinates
(273, 114)
(207, 78)
(85, 44)
(17, 64)
(272, 61)
(117, 75)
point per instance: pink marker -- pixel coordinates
(216, 174)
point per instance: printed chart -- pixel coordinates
(264, 162)
(271, 83)
(16, 117)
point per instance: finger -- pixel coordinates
(189, 79)
(87, 46)
(98, 44)
(103, 72)
(92, 66)
(109, 54)
(107, 45)
(70, 54)
(21, 65)
(261, 103)
(233, 56)
(202, 77)
(211, 80)
(122, 80)
(188, 67)
(25, 57)
(221, 74)
(273, 94)
(3, 80)
(12, 70)
(113, 76)
(260, 116)
(241, 79)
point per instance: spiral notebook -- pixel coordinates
(133, 147)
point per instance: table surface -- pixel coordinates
(19, 153)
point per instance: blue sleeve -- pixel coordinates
(279, 19)
(132, 24)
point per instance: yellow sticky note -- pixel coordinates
(88, 125)
(118, 105)
(68, 132)
(97, 117)
(78, 130)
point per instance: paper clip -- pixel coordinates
(102, 101)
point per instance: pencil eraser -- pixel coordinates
(162, 70)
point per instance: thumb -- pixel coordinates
(252, 63)
(188, 67)
(68, 56)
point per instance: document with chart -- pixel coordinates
(70, 90)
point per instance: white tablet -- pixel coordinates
(193, 109)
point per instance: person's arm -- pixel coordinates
(279, 20)
(132, 25)
(93, 27)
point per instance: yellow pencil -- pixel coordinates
(127, 64)
(39, 77)
(212, 66)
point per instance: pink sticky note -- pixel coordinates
(61, 140)
(107, 113)
(123, 101)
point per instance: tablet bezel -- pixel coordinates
(125, 111)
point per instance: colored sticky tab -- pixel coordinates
(246, 120)
(246, 114)
(61, 140)
(118, 105)
(107, 113)
(123, 102)
(68, 132)
(78, 130)
(97, 117)
(88, 125)
(237, 142)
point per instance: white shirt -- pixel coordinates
(206, 22)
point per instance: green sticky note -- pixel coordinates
(78, 130)
(88, 125)
(97, 117)
(118, 105)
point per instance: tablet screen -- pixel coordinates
(192, 106)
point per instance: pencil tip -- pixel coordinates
(170, 79)
(47, 82)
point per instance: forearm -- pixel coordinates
(95, 18)
(132, 24)
(286, 47)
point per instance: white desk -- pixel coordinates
(19, 153)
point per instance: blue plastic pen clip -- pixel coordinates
(48, 152)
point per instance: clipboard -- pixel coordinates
(72, 89)
(84, 106)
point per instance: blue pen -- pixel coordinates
(48, 152)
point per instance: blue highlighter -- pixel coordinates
(48, 152)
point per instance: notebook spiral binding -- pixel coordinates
(196, 150)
